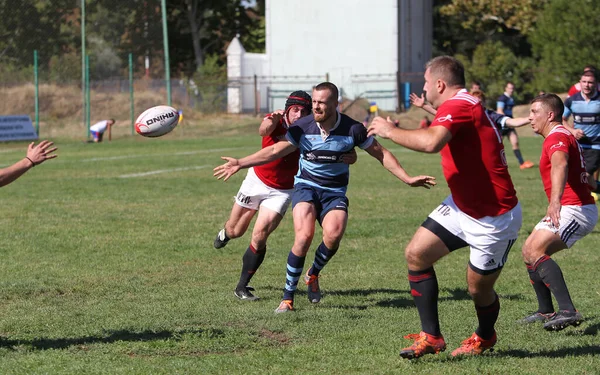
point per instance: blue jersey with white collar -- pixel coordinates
(320, 154)
(586, 116)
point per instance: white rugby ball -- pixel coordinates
(157, 121)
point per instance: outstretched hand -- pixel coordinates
(417, 101)
(425, 181)
(42, 152)
(228, 169)
(381, 127)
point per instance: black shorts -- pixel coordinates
(592, 160)
(507, 131)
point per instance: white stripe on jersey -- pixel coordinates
(559, 129)
(464, 95)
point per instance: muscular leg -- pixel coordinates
(334, 225)
(487, 305)
(538, 248)
(424, 249)
(239, 221)
(304, 215)
(266, 222)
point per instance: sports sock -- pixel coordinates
(322, 256)
(544, 297)
(251, 260)
(424, 289)
(519, 156)
(487, 316)
(552, 276)
(295, 264)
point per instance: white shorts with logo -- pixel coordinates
(254, 193)
(490, 238)
(575, 223)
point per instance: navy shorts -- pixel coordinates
(323, 200)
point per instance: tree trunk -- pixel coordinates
(192, 11)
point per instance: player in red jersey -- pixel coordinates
(482, 210)
(571, 214)
(267, 190)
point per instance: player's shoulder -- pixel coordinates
(304, 123)
(502, 98)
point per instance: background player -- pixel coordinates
(504, 106)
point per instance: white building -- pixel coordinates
(368, 49)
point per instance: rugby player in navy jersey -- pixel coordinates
(482, 210)
(320, 184)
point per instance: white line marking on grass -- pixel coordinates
(169, 154)
(150, 173)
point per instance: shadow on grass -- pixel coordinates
(564, 352)
(111, 337)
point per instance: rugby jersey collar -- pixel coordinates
(324, 133)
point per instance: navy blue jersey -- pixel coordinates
(586, 116)
(506, 103)
(320, 163)
(497, 119)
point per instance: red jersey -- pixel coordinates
(278, 174)
(577, 191)
(474, 162)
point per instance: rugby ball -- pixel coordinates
(157, 121)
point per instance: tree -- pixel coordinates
(208, 26)
(508, 21)
(565, 41)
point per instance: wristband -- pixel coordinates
(32, 163)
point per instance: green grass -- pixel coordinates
(105, 270)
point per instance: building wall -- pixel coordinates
(360, 46)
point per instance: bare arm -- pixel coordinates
(35, 155)
(264, 156)
(577, 133)
(558, 176)
(389, 162)
(430, 140)
(269, 123)
(419, 101)
(516, 122)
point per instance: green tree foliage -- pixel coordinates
(494, 65)
(566, 38)
(209, 84)
(34, 25)
(203, 27)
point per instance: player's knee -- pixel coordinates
(529, 252)
(413, 255)
(233, 231)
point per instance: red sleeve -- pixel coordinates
(573, 90)
(556, 142)
(453, 115)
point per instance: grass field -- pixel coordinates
(108, 268)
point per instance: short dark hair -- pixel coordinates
(552, 103)
(589, 68)
(589, 73)
(448, 69)
(330, 87)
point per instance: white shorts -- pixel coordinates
(575, 223)
(490, 238)
(254, 193)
